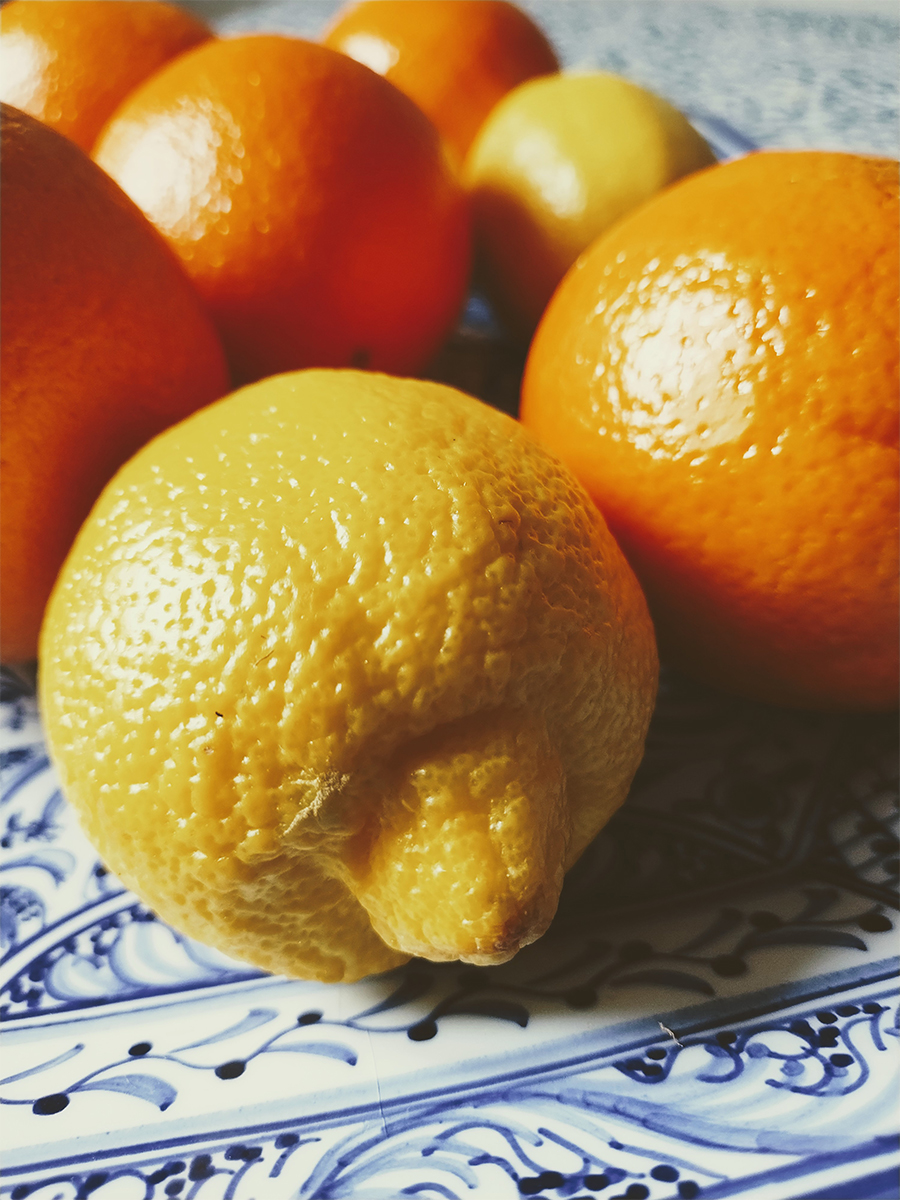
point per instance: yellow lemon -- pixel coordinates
(346, 668)
(558, 160)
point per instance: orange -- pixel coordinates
(70, 63)
(310, 202)
(105, 343)
(455, 58)
(720, 370)
(346, 668)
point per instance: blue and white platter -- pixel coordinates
(713, 1013)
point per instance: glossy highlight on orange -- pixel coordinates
(454, 58)
(70, 63)
(721, 372)
(309, 200)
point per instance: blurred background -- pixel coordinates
(785, 73)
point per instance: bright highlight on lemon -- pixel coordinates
(346, 668)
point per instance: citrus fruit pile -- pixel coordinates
(347, 666)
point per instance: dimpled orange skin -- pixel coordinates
(104, 344)
(70, 63)
(346, 668)
(454, 58)
(720, 371)
(311, 203)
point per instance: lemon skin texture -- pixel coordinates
(559, 160)
(344, 669)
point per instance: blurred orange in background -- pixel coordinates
(720, 371)
(454, 58)
(70, 63)
(310, 201)
(105, 343)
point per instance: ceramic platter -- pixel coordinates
(713, 1013)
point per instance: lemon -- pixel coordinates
(345, 668)
(558, 160)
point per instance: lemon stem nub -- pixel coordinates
(464, 855)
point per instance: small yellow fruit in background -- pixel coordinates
(347, 668)
(555, 164)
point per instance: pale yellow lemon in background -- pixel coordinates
(555, 164)
(347, 668)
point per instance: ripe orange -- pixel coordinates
(455, 58)
(105, 343)
(309, 200)
(70, 63)
(720, 370)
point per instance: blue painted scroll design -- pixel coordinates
(437, 1141)
(142, 1074)
(107, 951)
(117, 948)
(32, 808)
(423, 1002)
(47, 869)
(562, 1132)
